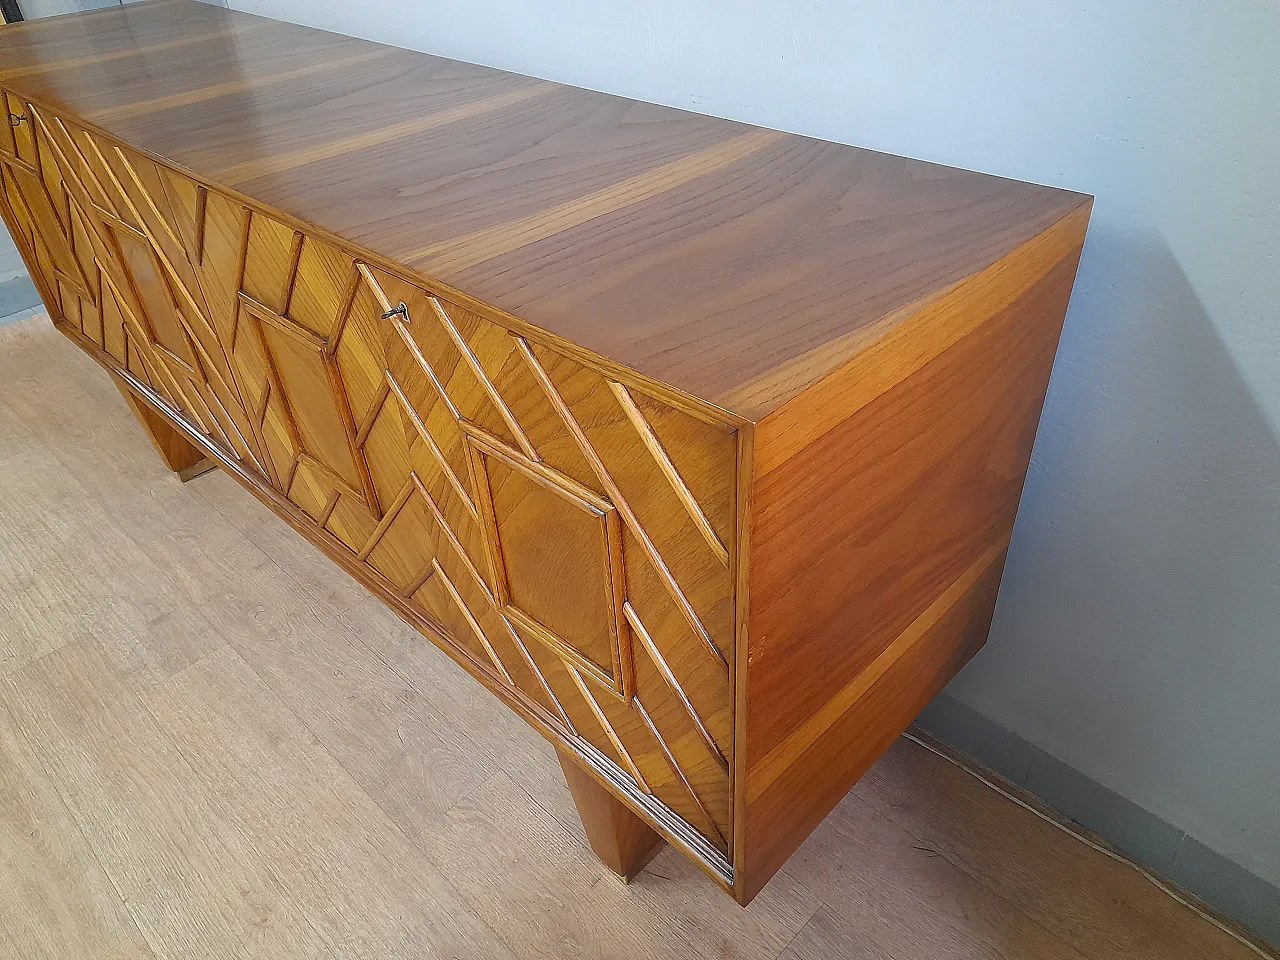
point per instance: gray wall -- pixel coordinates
(17, 293)
(1136, 637)
(11, 265)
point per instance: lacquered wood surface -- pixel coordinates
(623, 842)
(719, 542)
(877, 544)
(487, 484)
(735, 264)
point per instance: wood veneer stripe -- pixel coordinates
(675, 768)
(371, 416)
(536, 671)
(664, 668)
(538, 471)
(202, 203)
(189, 97)
(420, 581)
(562, 649)
(486, 384)
(465, 252)
(472, 622)
(336, 148)
(426, 367)
(283, 324)
(145, 194)
(329, 507)
(609, 731)
(772, 765)
(893, 350)
(106, 207)
(452, 537)
(242, 447)
(329, 474)
(387, 520)
(87, 60)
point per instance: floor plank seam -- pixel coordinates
(70, 815)
(218, 807)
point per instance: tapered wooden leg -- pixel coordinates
(179, 454)
(622, 841)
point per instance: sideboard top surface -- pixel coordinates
(734, 263)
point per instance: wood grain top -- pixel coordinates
(734, 263)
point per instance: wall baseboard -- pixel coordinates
(1222, 884)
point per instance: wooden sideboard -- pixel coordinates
(698, 444)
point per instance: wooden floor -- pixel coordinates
(195, 764)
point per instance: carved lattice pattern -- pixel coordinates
(566, 530)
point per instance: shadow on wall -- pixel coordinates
(1140, 608)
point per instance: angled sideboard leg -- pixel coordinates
(179, 454)
(623, 842)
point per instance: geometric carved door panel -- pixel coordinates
(150, 312)
(562, 529)
(287, 337)
(591, 521)
(44, 220)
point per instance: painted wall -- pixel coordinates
(11, 264)
(1138, 633)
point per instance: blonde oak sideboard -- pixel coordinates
(697, 444)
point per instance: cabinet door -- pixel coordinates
(18, 139)
(563, 528)
(291, 337)
(576, 532)
(153, 316)
(41, 209)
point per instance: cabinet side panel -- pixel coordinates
(877, 546)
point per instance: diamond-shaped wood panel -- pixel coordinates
(556, 553)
